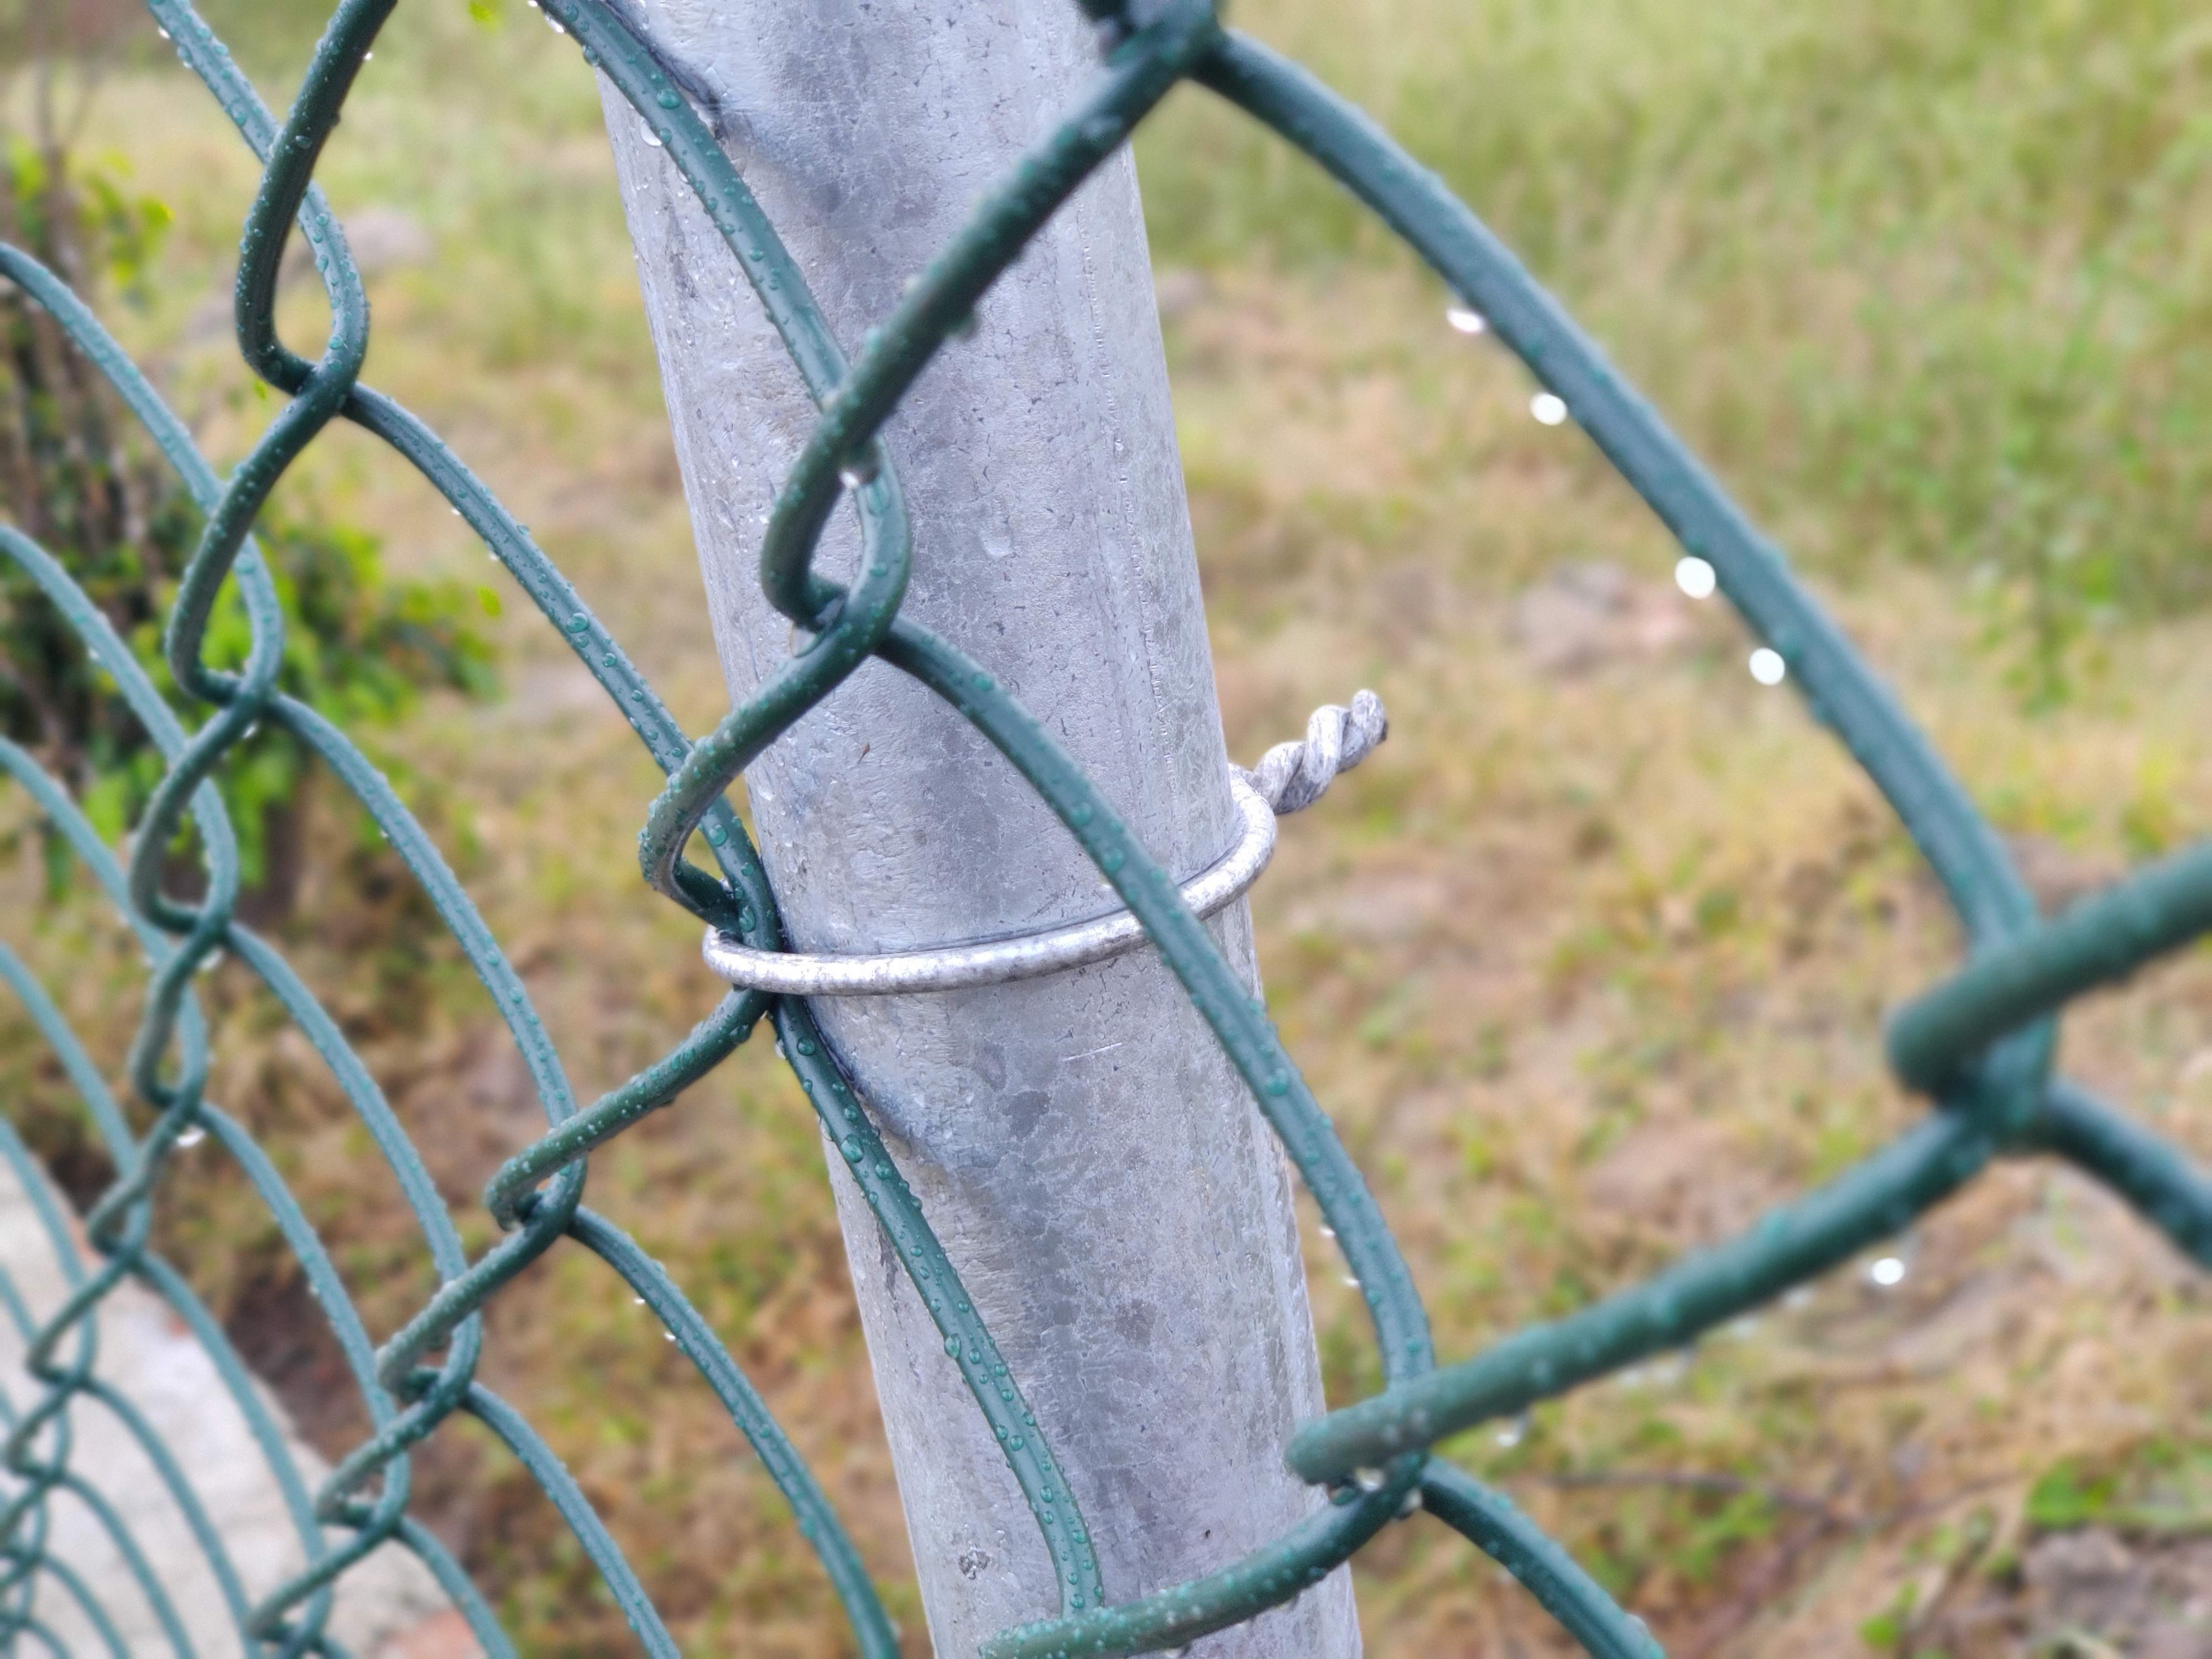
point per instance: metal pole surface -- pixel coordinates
(1100, 1177)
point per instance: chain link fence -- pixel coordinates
(1979, 1045)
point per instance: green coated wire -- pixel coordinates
(1980, 1043)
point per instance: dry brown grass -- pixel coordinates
(1590, 965)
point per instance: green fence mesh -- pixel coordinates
(1979, 1044)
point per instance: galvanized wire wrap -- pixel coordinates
(1291, 777)
(1980, 1044)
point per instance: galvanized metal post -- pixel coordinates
(1099, 1176)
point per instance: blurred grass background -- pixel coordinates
(1589, 962)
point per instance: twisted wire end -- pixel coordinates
(1292, 776)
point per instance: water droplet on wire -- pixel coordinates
(1767, 666)
(1549, 408)
(1466, 321)
(1695, 576)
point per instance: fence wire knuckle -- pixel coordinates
(1979, 1043)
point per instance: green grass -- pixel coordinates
(1925, 282)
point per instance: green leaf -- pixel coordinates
(2064, 1498)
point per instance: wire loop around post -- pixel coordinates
(997, 961)
(1291, 777)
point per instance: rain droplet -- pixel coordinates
(192, 1137)
(1513, 1433)
(1367, 1480)
(1549, 408)
(1466, 321)
(651, 136)
(1888, 1271)
(1767, 666)
(1695, 576)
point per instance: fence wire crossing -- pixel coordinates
(1979, 1044)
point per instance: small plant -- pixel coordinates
(2067, 1495)
(1886, 1631)
(75, 477)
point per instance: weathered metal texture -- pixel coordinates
(1093, 1164)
